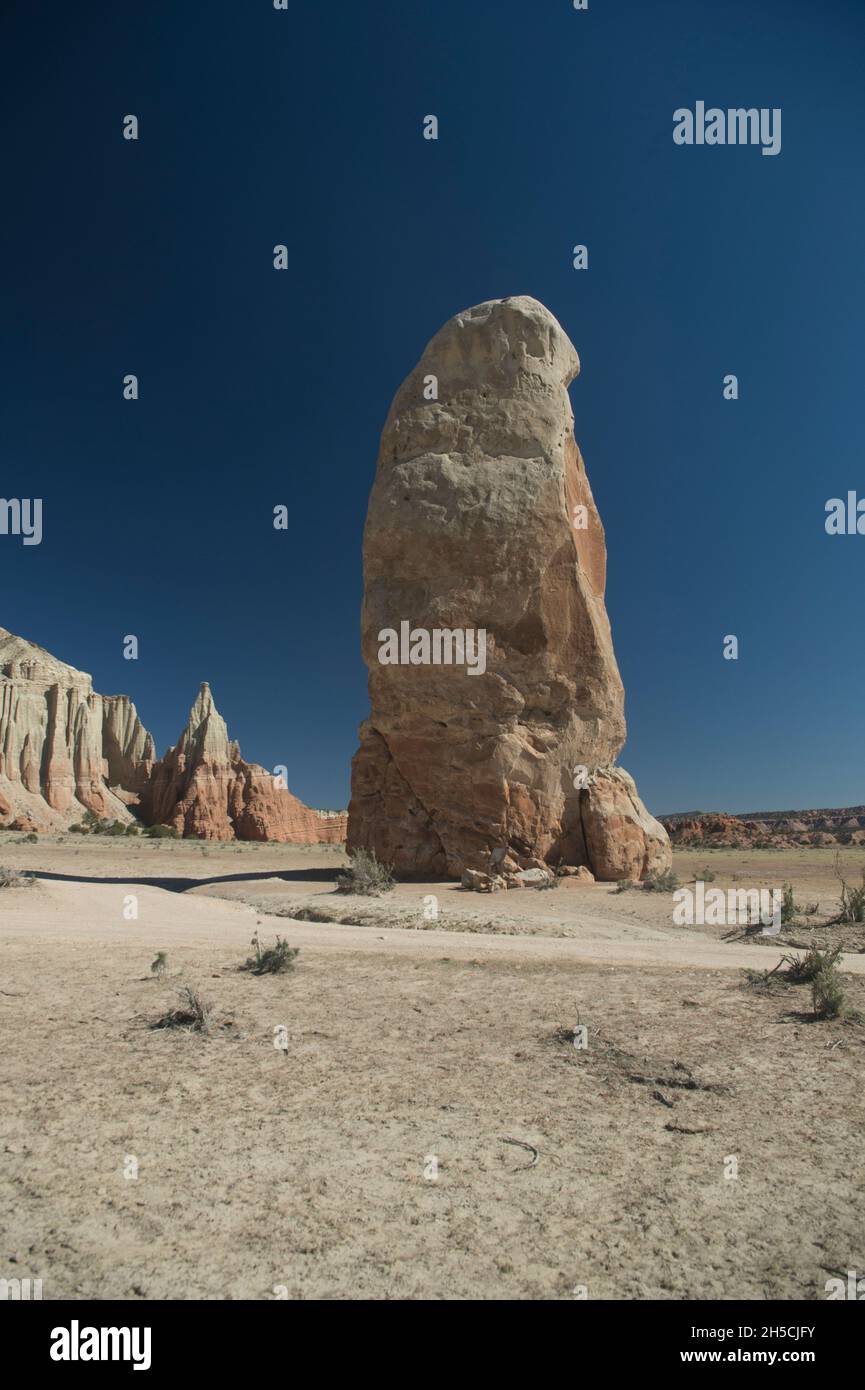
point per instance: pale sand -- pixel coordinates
(306, 1170)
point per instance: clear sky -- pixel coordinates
(261, 387)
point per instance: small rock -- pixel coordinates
(571, 877)
(474, 880)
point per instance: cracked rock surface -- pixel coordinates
(481, 517)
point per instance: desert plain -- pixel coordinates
(405, 1115)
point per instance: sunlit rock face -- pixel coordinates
(64, 749)
(205, 790)
(482, 525)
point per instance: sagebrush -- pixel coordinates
(660, 881)
(160, 965)
(194, 1012)
(13, 878)
(852, 899)
(365, 875)
(271, 960)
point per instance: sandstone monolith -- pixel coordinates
(482, 535)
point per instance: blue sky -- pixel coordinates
(260, 388)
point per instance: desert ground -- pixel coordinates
(423, 1127)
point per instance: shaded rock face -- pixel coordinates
(206, 791)
(471, 527)
(64, 749)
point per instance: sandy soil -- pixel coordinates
(369, 1158)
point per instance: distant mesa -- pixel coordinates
(767, 829)
(65, 750)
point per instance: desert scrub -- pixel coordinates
(765, 980)
(828, 999)
(271, 960)
(788, 903)
(162, 832)
(193, 1014)
(365, 875)
(663, 881)
(91, 824)
(13, 878)
(624, 885)
(803, 970)
(707, 875)
(852, 899)
(790, 909)
(820, 970)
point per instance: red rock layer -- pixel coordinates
(717, 830)
(206, 791)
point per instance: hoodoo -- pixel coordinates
(482, 520)
(208, 792)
